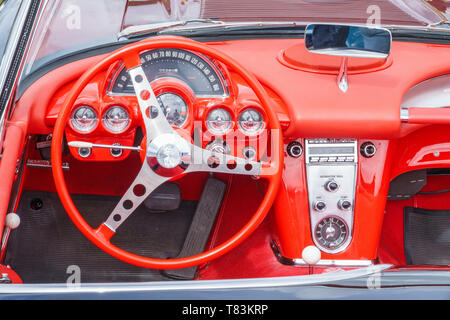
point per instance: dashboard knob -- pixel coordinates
(368, 149)
(331, 186)
(344, 205)
(320, 206)
(294, 149)
(84, 152)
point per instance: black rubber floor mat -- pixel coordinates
(47, 246)
(427, 236)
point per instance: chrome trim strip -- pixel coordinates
(404, 115)
(193, 285)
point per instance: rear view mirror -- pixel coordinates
(348, 41)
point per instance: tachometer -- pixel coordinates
(174, 107)
(198, 73)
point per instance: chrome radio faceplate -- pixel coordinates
(331, 166)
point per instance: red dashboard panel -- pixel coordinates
(97, 96)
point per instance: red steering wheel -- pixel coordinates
(181, 156)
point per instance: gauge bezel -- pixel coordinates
(105, 111)
(232, 119)
(71, 120)
(264, 121)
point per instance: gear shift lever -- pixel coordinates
(311, 255)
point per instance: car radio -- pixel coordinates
(331, 166)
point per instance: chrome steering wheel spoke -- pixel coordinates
(143, 185)
(155, 121)
(203, 160)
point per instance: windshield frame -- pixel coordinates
(18, 42)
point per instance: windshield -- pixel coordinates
(69, 25)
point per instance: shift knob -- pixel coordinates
(12, 220)
(311, 255)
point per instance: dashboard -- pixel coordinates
(197, 95)
(319, 121)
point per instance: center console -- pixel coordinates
(333, 195)
(331, 167)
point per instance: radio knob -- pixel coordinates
(331, 186)
(320, 206)
(344, 205)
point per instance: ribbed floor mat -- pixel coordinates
(47, 243)
(427, 236)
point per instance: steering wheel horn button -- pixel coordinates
(168, 154)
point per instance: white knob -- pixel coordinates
(12, 220)
(80, 144)
(311, 255)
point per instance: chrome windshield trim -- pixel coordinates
(27, 7)
(194, 285)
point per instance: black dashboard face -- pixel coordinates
(195, 71)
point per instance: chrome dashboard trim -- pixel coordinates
(404, 115)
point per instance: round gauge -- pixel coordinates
(116, 119)
(84, 119)
(251, 121)
(219, 121)
(174, 107)
(331, 232)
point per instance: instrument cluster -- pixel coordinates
(194, 93)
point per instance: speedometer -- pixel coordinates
(196, 71)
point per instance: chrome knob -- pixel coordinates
(344, 205)
(294, 149)
(319, 206)
(368, 149)
(331, 186)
